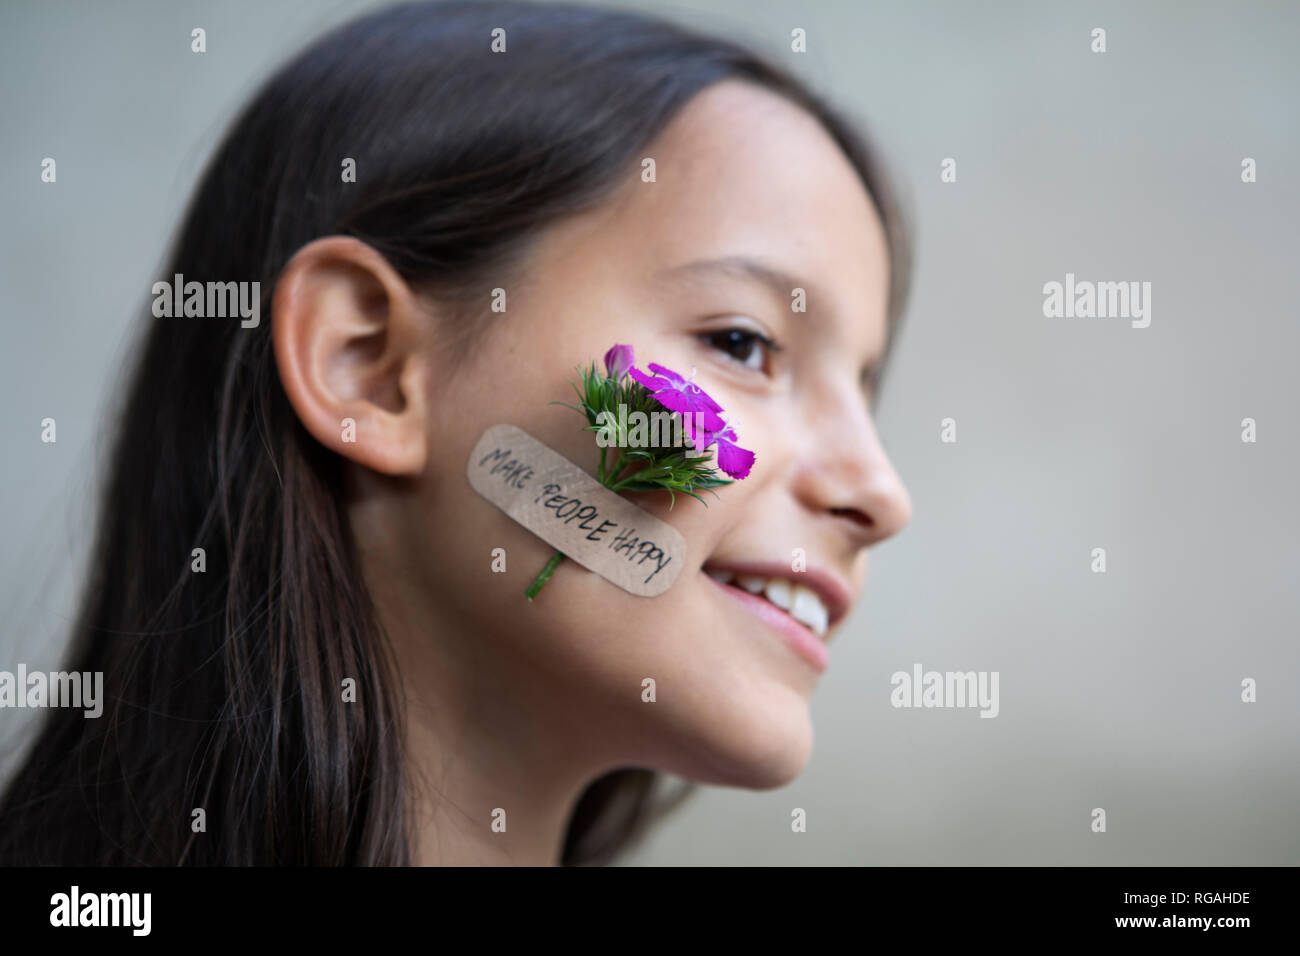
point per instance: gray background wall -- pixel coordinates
(1118, 690)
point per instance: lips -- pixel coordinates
(800, 606)
(799, 601)
(815, 598)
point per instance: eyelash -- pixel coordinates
(746, 336)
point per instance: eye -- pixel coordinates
(745, 346)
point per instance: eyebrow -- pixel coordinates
(779, 282)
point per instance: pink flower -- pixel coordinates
(732, 459)
(680, 395)
(618, 360)
(700, 415)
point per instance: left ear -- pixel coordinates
(351, 345)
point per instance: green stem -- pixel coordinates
(611, 475)
(607, 477)
(544, 576)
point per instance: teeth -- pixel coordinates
(808, 608)
(800, 602)
(779, 593)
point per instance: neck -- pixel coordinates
(489, 785)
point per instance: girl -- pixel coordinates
(448, 208)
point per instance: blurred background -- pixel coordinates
(1119, 690)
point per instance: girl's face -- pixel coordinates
(751, 202)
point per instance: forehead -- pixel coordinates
(742, 171)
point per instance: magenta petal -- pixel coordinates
(701, 438)
(733, 459)
(685, 400)
(701, 398)
(688, 405)
(649, 381)
(667, 373)
(698, 396)
(687, 388)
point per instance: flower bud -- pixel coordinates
(618, 360)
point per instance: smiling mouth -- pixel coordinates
(799, 602)
(752, 594)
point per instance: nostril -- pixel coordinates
(854, 515)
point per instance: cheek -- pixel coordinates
(667, 682)
(725, 709)
(588, 657)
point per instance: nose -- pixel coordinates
(847, 475)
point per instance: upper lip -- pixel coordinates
(832, 590)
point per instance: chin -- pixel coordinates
(762, 746)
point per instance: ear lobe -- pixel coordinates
(350, 344)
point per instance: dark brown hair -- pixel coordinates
(223, 688)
